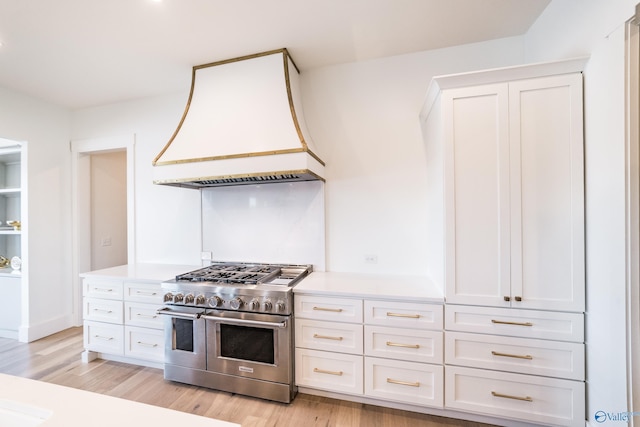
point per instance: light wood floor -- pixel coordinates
(56, 359)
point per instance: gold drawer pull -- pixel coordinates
(517, 356)
(103, 338)
(392, 381)
(508, 396)
(334, 310)
(504, 322)
(147, 293)
(322, 371)
(410, 316)
(327, 337)
(396, 344)
(144, 344)
(147, 316)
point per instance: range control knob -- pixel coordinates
(254, 304)
(168, 297)
(189, 299)
(280, 306)
(200, 300)
(177, 298)
(267, 305)
(215, 301)
(236, 303)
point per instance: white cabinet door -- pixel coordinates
(514, 194)
(547, 193)
(476, 165)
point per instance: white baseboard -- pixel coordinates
(29, 333)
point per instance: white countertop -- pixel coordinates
(414, 288)
(69, 407)
(142, 271)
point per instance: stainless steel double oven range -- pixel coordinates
(229, 326)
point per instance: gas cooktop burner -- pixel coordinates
(258, 288)
(240, 273)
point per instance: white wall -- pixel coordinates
(574, 28)
(45, 127)
(167, 224)
(364, 119)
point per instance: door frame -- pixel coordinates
(80, 199)
(632, 220)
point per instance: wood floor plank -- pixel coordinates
(57, 359)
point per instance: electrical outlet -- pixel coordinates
(106, 241)
(371, 259)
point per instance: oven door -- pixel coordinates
(250, 345)
(184, 337)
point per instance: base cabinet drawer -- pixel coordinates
(546, 401)
(102, 310)
(406, 382)
(337, 372)
(329, 336)
(144, 343)
(546, 325)
(521, 355)
(405, 344)
(403, 314)
(103, 337)
(108, 289)
(143, 315)
(328, 308)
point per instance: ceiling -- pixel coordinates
(80, 53)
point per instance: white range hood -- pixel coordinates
(243, 124)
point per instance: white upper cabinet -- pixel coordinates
(506, 192)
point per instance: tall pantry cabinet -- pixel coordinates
(506, 218)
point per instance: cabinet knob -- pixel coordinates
(507, 298)
(518, 298)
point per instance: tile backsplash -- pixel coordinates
(271, 223)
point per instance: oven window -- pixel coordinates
(183, 334)
(247, 343)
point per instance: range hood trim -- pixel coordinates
(239, 156)
(294, 116)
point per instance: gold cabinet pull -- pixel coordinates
(333, 310)
(146, 293)
(504, 322)
(322, 371)
(508, 396)
(516, 356)
(396, 344)
(146, 316)
(392, 381)
(410, 316)
(327, 337)
(101, 337)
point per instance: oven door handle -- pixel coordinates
(246, 322)
(178, 314)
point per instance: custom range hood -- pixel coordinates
(243, 124)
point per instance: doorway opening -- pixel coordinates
(103, 208)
